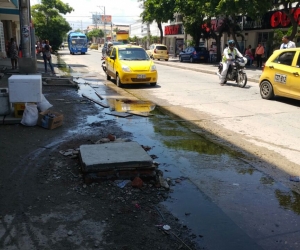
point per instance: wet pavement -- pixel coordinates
(220, 196)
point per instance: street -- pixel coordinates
(265, 129)
(248, 178)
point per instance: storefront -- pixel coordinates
(174, 38)
(262, 29)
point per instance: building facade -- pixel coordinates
(9, 23)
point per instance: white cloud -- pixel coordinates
(122, 11)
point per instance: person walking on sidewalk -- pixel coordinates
(13, 53)
(286, 43)
(47, 56)
(259, 53)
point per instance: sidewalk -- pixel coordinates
(6, 71)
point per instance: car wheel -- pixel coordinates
(153, 83)
(158, 59)
(180, 59)
(118, 82)
(108, 77)
(191, 59)
(166, 59)
(266, 90)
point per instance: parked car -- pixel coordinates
(94, 46)
(130, 64)
(105, 46)
(281, 75)
(194, 54)
(158, 51)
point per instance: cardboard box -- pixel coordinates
(50, 119)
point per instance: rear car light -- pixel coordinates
(195, 53)
(155, 51)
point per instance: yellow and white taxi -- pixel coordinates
(281, 75)
(130, 64)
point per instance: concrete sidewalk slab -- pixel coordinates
(114, 156)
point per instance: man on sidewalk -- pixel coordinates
(286, 43)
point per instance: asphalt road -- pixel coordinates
(268, 130)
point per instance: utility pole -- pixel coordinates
(104, 21)
(27, 63)
(148, 35)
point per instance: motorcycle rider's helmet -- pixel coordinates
(231, 44)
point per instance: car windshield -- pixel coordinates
(161, 48)
(81, 41)
(132, 54)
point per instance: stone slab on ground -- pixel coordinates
(114, 156)
(9, 119)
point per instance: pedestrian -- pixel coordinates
(259, 54)
(249, 55)
(13, 53)
(287, 43)
(229, 55)
(47, 56)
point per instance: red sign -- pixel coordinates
(279, 18)
(173, 29)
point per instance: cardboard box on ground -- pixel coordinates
(49, 119)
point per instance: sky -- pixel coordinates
(122, 11)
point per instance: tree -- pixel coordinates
(194, 15)
(48, 21)
(232, 9)
(95, 33)
(159, 11)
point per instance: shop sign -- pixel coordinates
(174, 29)
(280, 19)
(271, 20)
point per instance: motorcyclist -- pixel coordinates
(107, 50)
(109, 44)
(229, 55)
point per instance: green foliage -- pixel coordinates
(95, 33)
(159, 11)
(48, 21)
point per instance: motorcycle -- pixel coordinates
(235, 71)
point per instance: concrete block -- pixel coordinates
(114, 156)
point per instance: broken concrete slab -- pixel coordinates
(119, 114)
(118, 156)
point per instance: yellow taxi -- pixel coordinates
(281, 75)
(130, 64)
(158, 51)
(94, 46)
